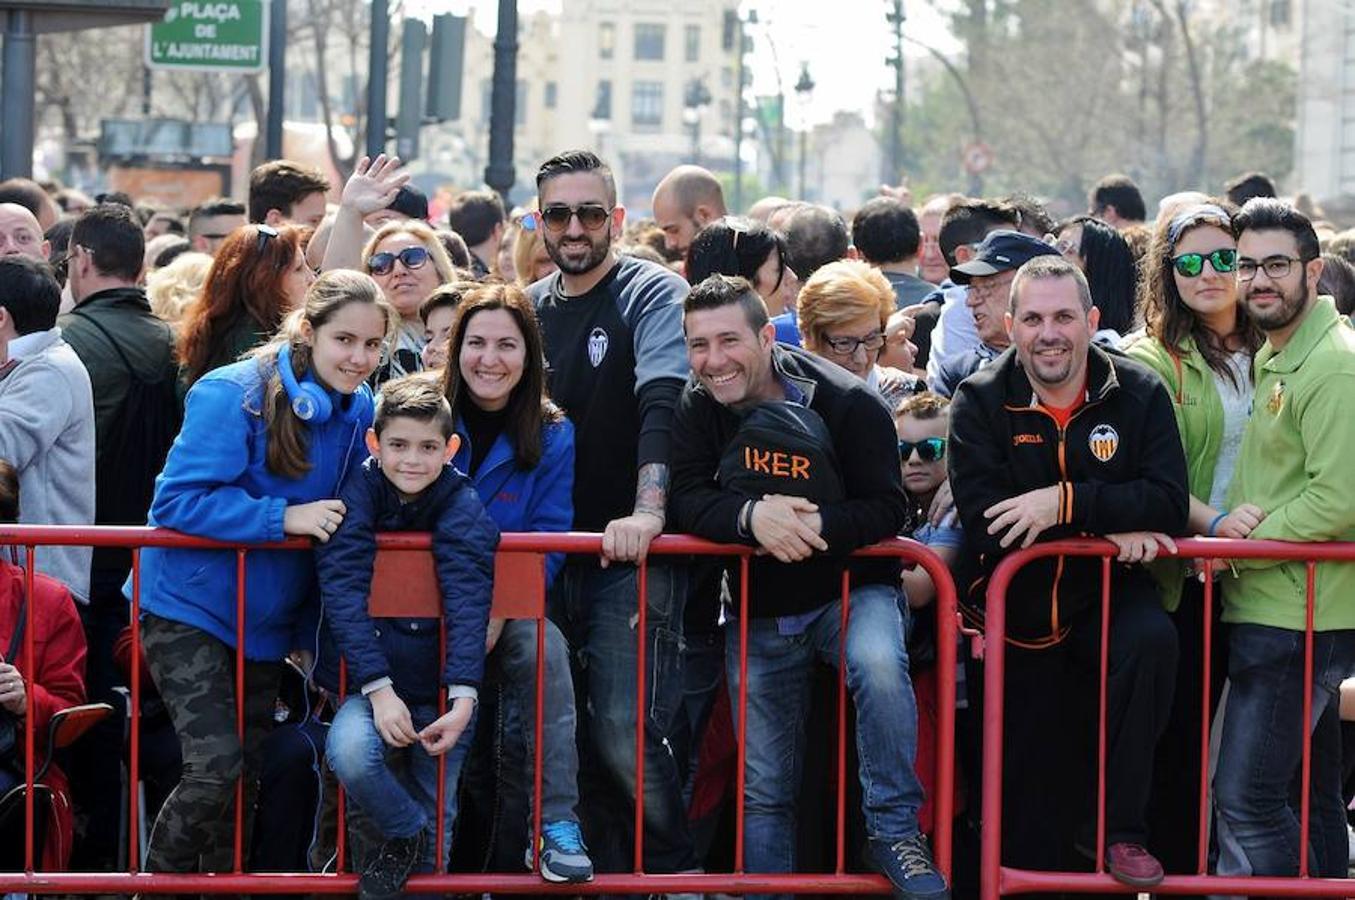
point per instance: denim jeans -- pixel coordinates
(779, 668)
(597, 609)
(514, 661)
(395, 788)
(1256, 789)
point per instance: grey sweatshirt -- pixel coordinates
(47, 434)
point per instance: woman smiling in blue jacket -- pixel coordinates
(518, 449)
(264, 445)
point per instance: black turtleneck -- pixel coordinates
(483, 428)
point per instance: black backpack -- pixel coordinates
(134, 450)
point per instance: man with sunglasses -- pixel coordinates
(1057, 438)
(777, 448)
(988, 275)
(612, 329)
(1294, 469)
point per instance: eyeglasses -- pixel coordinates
(846, 346)
(266, 234)
(929, 449)
(1190, 265)
(411, 258)
(1275, 267)
(592, 216)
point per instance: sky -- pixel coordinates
(845, 51)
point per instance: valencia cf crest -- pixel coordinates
(597, 346)
(1104, 441)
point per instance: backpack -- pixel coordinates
(782, 448)
(134, 451)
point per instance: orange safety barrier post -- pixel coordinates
(404, 584)
(997, 880)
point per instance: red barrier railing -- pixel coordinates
(997, 880)
(520, 561)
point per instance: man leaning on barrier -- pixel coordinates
(776, 448)
(1057, 438)
(1292, 483)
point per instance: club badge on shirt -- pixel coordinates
(1275, 402)
(597, 346)
(1104, 441)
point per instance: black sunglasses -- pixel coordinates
(592, 216)
(410, 257)
(928, 449)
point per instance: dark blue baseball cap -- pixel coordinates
(1001, 251)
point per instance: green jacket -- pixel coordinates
(1199, 419)
(1295, 465)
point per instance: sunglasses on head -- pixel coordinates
(592, 216)
(411, 258)
(928, 449)
(1190, 265)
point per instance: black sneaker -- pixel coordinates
(386, 873)
(908, 865)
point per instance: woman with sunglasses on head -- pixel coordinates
(258, 276)
(1201, 342)
(733, 246)
(843, 311)
(531, 262)
(264, 446)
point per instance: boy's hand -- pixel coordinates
(391, 717)
(442, 734)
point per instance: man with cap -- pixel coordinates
(1058, 438)
(409, 203)
(989, 275)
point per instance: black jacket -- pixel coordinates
(866, 449)
(1119, 463)
(406, 649)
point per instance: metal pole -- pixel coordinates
(499, 174)
(277, 77)
(16, 101)
(738, 124)
(377, 62)
(804, 134)
(146, 85)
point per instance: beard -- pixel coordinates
(576, 265)
(1282, 314)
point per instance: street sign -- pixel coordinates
(976, 157)
(210, 36)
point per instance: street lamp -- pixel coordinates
(803, 88)
(695, 99)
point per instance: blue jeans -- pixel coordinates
(779, 668)
(597, 611)
(395, 788)
(514, 660)
(1256, 784)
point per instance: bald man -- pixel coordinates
(20, 233)
(686, 200)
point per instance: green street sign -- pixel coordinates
(210, 36)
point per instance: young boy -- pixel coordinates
(438, 312)
(922, 422)
(385, 740)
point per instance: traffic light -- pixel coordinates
(444, 67)
(408, 121)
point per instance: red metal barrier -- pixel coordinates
(997, 880)
(513, 548)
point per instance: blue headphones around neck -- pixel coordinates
(310, 402)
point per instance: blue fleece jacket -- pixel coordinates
(216, 484)
(406, 650)
(539, 499)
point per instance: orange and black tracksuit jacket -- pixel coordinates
(1117, 463)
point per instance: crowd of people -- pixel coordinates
(968, 372)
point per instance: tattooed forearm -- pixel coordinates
(651, 491)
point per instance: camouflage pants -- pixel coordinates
(195, 675)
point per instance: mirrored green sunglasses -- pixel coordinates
(1190, 265)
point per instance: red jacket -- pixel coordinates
(57, 678)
